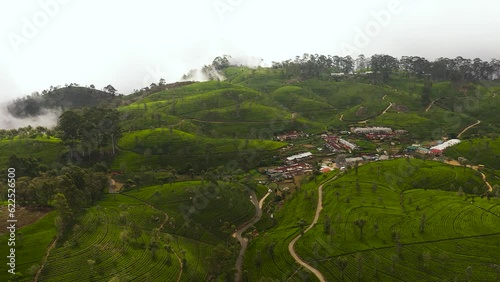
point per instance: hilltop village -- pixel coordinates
(314, 154)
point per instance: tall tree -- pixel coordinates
(65, 218)
(110, 89)
(70, 124)
(361, 63)
(384, 65)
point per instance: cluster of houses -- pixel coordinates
(338, 145)
(378, 133)
(374, 133)
(367, 130)
(341, 162)
(289, 171)
(289, 136)
(295, 165)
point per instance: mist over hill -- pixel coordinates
(45, 117)
(44, 109)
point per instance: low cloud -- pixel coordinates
(47, 118)
(247, 61)
(208, 72)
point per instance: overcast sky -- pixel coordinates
(130, 44)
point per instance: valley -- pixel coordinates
(263, 177)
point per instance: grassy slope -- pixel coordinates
(98, 240)
(30, 247)
(100, 226)
(425, 183)
(249, 106)
(479, 151)
(48, 150)
(177, 148)
(301, 206)
(449, 220)
(253, 103)
(206, 221)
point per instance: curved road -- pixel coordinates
(244, 241)
(383, 113)
(467, 128)
(431, 104)
(456, 163)
(291, 246)
(365, 121)
(386, 109)
(490, 188)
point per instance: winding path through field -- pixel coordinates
(490, 188)
(456, 163)
(386, 109)
(467, 128)
(47, 252)
(382, 113)
(432, 103)
(365, 121)
(244, 241)
(291, 246)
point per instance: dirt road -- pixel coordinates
(431, 104)
(47, 253)
(244, 241)
(456, 163)
(291, 246)
(467, 128)
(385, 111)
(490, 188)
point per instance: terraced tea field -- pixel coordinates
(98, 253)
(419, 220)
(191, 220)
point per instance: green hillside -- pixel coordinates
(48, 150)
(392, 199)
(65, 98)
(162, 147)
(265, 99)
(188, 163)
(478, 151)
(153, 255)
(36, 238)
